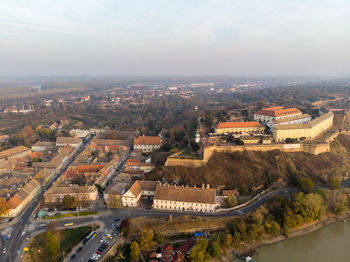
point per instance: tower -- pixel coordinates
(197, 137)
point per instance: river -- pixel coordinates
(329, 244)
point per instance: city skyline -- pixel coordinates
(277, 38)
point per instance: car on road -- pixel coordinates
(4, 250)
(79, 249)
(98, 252)
(117, 220)
(73, 256)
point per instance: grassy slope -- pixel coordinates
(258, 168)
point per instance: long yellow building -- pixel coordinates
(307, 131)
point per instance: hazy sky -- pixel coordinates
(177, 37)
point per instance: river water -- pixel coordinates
(329, 244)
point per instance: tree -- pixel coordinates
(215, 249)
(146, 240)
(333, 182)
(305, 184)
(198, 252)
(231, 201)
(134, 250)
(159, 238)
(69, 202)
(3, 207)
(272, 227)
(52, 243)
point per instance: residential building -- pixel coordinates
(75, 142)
(239, 127)
(299, 119)
(184, 198)
(274, 113)
(23, 197)
(83, 134)
(137, 165)
(42, 146)
(307, 131)
(55, 193)
(147, 144)
(140, 189)
(16, 152)
(4, 138)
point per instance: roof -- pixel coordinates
(44, 144)
(185, 194)
(31, 186)
(14, 151)
(147, 140)
(229, 192)
(104, 142)
(278, 111)
(186, 246)
(70, 189)
(239, 124)
(287, 119)
(14, 202)
(118, 188)
(142, 185)
(68, 140)
(250, 138)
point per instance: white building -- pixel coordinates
(75, 142)
(183, 198)
(300, 119)
(140, 189)
(273, 113)
(147, 143)
(83, 134)
(42, 146)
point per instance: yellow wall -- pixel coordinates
(241, 129)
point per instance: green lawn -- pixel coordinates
(80, 214)
(68, 239)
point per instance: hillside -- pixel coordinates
(245, 170)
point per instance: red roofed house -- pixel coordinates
(239, 127)
(147, 143)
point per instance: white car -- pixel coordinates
(4, 250)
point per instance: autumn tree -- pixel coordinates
(231, 201)
(69, 202)
(53, 244)
(3, 207)
(199, 251)
(146, 240)
(134, 250)
(333, 182)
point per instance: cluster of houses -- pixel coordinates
(167, 253)
(282, 121)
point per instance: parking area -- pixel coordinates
(95, 249)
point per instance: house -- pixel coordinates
(42, 146)
(184, 198)
(54, 126)
(184, 250)
(167, 253)
(75, 142)
(16, 152)
(83, 134)
(239, 127)
(23, 197)
(137, 165)
(232, 192)
(45, 176)
(113, 194)
(4, 138)
(140, 188)
(147, 144)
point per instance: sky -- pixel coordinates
(175, 37)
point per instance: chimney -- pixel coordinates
(203, 185)
(182, 186)
(186, 186)
(208, 186)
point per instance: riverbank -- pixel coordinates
(301, 231)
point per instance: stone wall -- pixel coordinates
(210, 150)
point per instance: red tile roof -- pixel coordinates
(147, 140)
(246, 124)
(278, 111)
